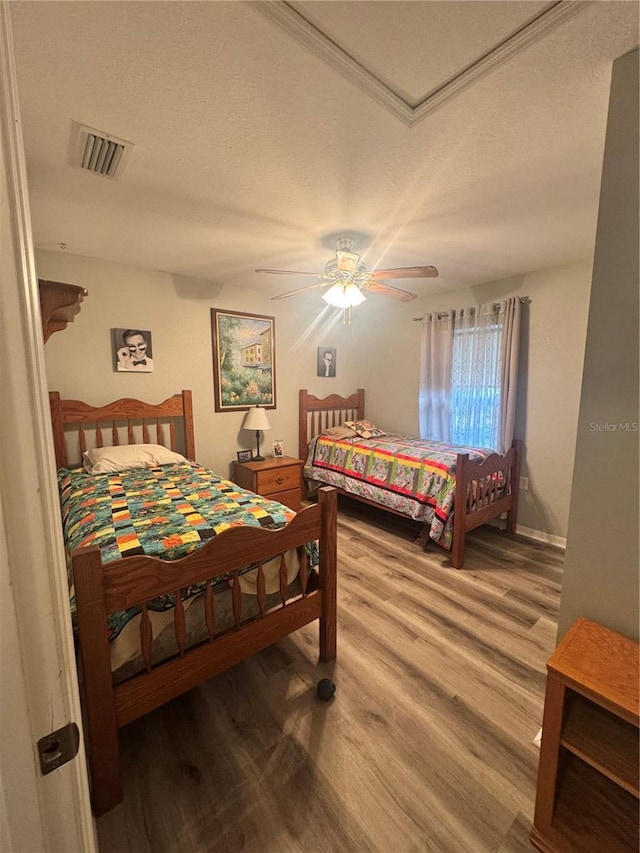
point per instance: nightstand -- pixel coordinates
(587, 796)
(278, 479)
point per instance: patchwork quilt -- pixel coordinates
(410, 475)
(165, 512)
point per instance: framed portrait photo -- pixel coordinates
(244, 360)
(278, 449)
(132, 350)
(326, 361)
(244, 455)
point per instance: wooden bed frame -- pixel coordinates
(101, 590)
(316, 414)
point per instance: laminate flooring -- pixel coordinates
(426, 746)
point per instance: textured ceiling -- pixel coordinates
(431, 42)
(253, 149)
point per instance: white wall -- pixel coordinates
(379, 351)
(177, 310)
(554, 329)
(601, 568)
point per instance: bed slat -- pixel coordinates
(115, 438)
(146, 637)
(261, 590)
(209, 611)
(283, 580)
(82, 441)
(145, 433)
(131, 439)
(179, 623)
(304, 569)
(159, 436)
(236, 600)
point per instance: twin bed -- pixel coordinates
(450, 489)
(177, 574)
(151, 546)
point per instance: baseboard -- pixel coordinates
(540, 536)
(536, 535)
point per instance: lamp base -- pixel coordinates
(257, 457)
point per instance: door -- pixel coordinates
(37, 670)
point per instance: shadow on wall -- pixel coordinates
(187, 287)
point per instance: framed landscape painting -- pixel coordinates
(244, 360)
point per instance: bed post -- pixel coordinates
(327, 498)
(459, 511)
(303, 438)
(58, 429)
(512, 514)
(189, 438)
(97, 684)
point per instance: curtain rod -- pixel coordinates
(524, 301)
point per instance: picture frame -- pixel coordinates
(244, 455)
(132, 350)
(327, 357)
(278, 450)
(244, 360)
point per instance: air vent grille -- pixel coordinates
(101, 155)
(99, 152)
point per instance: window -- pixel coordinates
(469, 375)
(475, 386)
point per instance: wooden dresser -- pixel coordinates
(279, 479)
(587, 796)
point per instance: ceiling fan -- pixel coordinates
(347, 277)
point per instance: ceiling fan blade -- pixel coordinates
(292, 272)
(406, 272)
(396, 292)
(302, 290)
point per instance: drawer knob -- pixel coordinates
(280, 480)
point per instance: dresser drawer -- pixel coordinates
(275, 480)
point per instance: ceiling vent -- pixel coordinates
(98, 152)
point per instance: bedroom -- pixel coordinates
(125, 287)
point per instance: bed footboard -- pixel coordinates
(484, 491)
(135, 581)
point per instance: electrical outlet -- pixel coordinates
(524, 484)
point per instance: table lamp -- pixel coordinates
(256, 419)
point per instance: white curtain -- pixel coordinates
(511, 312)
(468, 378)
(475, 387)
(435, 377)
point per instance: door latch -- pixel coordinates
(57, 748)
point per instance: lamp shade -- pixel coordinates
(256, 418)
(344, 296)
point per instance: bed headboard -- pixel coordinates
(125, 421)
(317, 414)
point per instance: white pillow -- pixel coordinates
(109, 460)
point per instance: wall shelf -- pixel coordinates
(59, 303)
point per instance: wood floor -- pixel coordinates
(426, 746)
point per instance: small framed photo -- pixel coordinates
(327, 361)
(244, 455)
(132, 350)
(278, 449)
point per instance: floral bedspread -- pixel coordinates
(166, 512)
(410, 475)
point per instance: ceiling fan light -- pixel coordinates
(344, 296)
